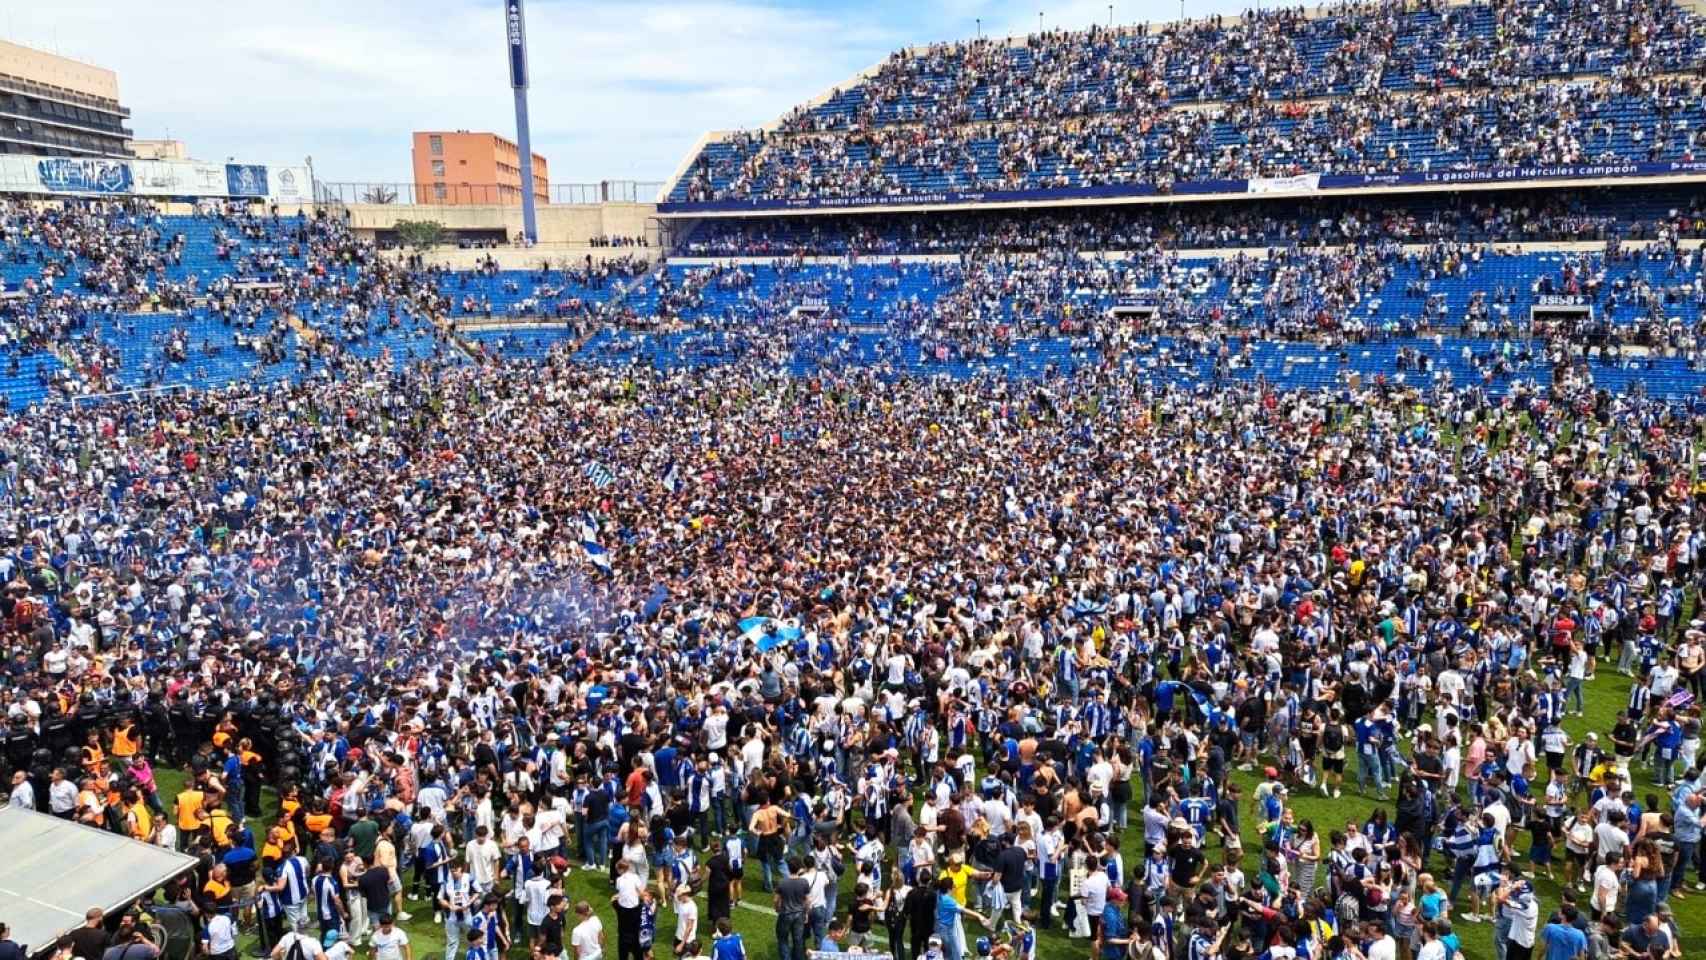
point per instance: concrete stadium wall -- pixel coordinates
(559, 223)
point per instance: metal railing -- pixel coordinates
(432, 193)
(422, 194)
(607, 191)
(30, 88)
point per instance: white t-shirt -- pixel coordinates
(628, 887)
(1606, 885)
(1519, 752)
(584, 939)
(686, 919)
(1099, 776)
(342, 950)
(1383, 949)
(1501, 815)
(483, 862)
(1095, 892)
(310, 946)
(221, 934)
(1524, 915)
(752, 757)
(1612, 839)
(897, 665)
(389, 946)
(717, 731)
(538, 891)
(817, 883)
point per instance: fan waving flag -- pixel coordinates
(599, 474)
(672, 477)
(769, 632)
(596, 555)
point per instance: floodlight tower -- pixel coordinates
(516, 24)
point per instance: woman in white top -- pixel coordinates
(634, 849)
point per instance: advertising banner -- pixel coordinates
(178, 178)
(289, 184)
(246, 179)
(1301, 183)
(84, 175)
(183, 179)
(18, 174)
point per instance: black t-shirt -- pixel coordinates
(1010, 863)
(1187, 865)
(793, 893)
(597, 806)
(551, 933)
(375, 887)
(1227, 810)
(921, 907)
(719, 873)
(632, 744)
(1429, 763)
(1624, 731)
(88, 943)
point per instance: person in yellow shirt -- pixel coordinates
(94, 758)
(318, 819)
(142, 823)
(288, 806)
(273, 849)
(961, 876)
(127, 742)
(219, 826)
(192, 815)
(217, 890)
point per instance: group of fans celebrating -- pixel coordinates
(940, 666)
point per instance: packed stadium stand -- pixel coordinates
(1369, 89)
(1441, 281)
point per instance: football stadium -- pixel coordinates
(1151, 487)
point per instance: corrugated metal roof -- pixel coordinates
(52, 871)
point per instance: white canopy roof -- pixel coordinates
(52, 871)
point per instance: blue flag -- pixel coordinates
(596, 555)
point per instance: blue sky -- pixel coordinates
(620, 90)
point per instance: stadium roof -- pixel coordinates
(55, 870)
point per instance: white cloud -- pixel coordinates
(619, 90)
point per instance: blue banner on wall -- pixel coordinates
(515, 26)
(246, 179)
(1444, 178)
(67, 175)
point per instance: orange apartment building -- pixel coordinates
(459, 167)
